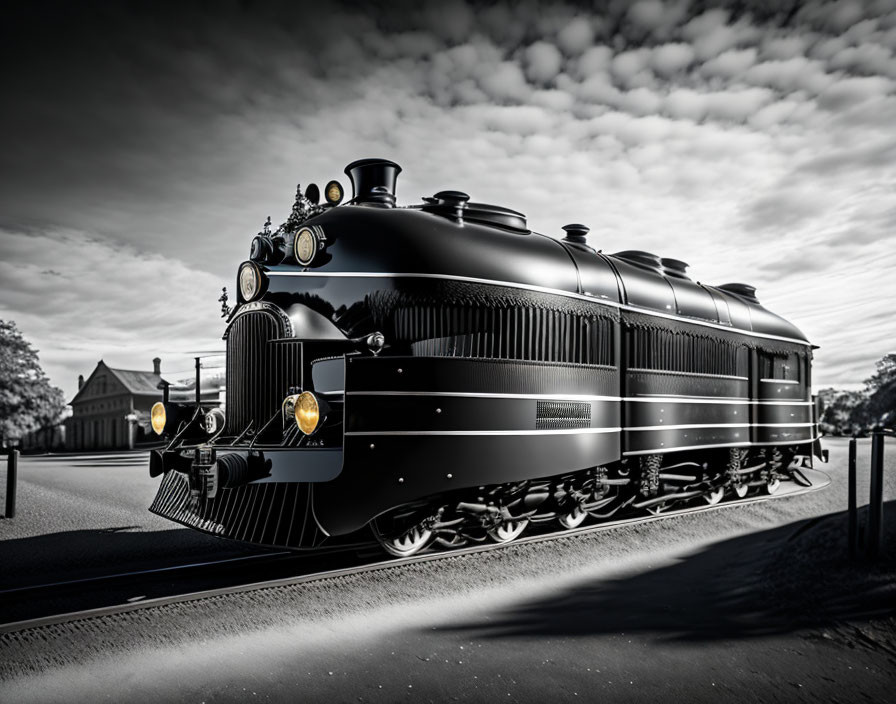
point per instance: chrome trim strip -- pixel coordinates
(710, 376)
(540, 289)
(662, 450)
(783, 425)
(783, 403)
(779, 381)
(686, 398)
(560, 431)
(721, 425)
(547, 397)
(689, 427)
(708, 399)
(584, 397)
(787, 442)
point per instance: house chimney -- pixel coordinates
(157, 366)
(80, 381)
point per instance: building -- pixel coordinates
(111, 408)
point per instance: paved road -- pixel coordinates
(756, 603)
(79, 516)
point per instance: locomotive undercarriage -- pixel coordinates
(650, 483)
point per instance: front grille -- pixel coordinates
(259, 372)
(561, 415)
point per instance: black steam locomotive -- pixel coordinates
(440, 373)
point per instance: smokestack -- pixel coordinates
(373, 181)
(80, 381)
(157, 366)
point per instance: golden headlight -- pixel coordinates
(307, 412)
(158, 417)
(305, 246)
(249, 281)
(334, 193)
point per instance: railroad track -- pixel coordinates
(336, 562)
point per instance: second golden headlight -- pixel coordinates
(308, 412)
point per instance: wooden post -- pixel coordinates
(853, 518)
(198, 393)
(12, 470)
(876, 497)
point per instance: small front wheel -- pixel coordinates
(508, 530)
(573, 519)
(403, 536)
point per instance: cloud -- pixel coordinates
(655, 17)
(730, 64)
(504, 82)
(670, 59)
(735, 106)
(594, 60)
(543, 62)
(773, 114)
(711, 133)
(790, 74)
(105, 299)
(627, 65)
(710, 34)
(868, 59)
(785, 207)
(778, 48)
(576, 36)
(850, 91)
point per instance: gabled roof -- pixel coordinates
(138, 382)
(135, 382)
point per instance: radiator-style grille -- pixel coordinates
(557, 415)
(512, 333)
(259, 372)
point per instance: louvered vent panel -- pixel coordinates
(531, 334)
(557, 415)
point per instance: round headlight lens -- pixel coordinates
(307, 412)
(213, 421)
(158, 418)
(306, 246)
(333, 192)
(249, 281)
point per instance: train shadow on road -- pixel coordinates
(78, 554)
(775, 581)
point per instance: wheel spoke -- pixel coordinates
(508, 530)
(573, 519)
(715, 496)
(408, 542)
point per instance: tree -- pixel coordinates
(880, 408)
(28, 401)
(842, 411)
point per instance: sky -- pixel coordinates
(143, 145)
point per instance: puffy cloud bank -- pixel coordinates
(754, 140)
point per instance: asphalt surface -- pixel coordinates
(753, 603)
(83, 516)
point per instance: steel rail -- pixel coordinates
(48, 586)
(822, 480)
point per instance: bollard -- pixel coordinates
(853, 518)
(876, 497)
(12, 469)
